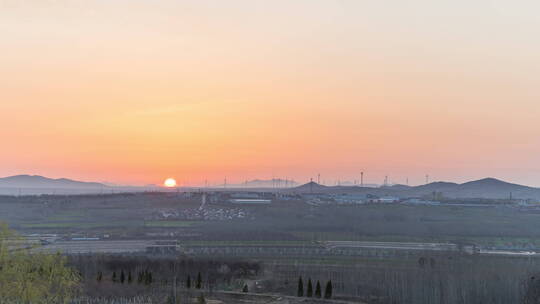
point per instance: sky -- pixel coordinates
(135, 91)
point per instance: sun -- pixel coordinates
(170, 182)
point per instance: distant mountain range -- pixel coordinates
(485, 188)
(36, 181)
(41, 182)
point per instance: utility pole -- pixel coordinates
(427, 179)
(319, 178)
(361, 179)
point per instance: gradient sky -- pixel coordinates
(133, 91)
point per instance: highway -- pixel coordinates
(116, 246)
(391, 245)
(139, 246)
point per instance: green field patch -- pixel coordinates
(349, 236)
(79, 225)
(62, 218)
(164, 224)
(248, 243)
(47, 225)
(75, 213)
(67, 216)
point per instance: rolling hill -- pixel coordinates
(36, 181)
(489, 188)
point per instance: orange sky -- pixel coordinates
(137, 91)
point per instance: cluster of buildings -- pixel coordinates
(349, 199)
(265, 198)
(208, 214)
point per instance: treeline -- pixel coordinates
(113, 275)
(424, 279)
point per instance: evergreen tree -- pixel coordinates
(300, 287)
(122, 276)
(146, 277)
(149, 278)
(245, 289)
(188, 282)
(198, 284)
(99, 276)
(328, 290)
(309, 289)
(139, 277)
(318, 290)
(129, 279)
(114, 276)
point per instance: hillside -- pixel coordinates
(484, 188)
(36, 181)
(313, 187)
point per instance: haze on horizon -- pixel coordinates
(134, 92)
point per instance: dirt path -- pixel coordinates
(226, 297)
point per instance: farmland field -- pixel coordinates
(170, 223)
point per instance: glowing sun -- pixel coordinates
(170, 182)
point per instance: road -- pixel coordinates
(391, 245)
(116, 246)
(139, 246)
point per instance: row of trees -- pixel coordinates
(318, 292)
(143, 277)
(164, 268)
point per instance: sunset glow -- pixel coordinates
(129, 92)
(381, 151)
